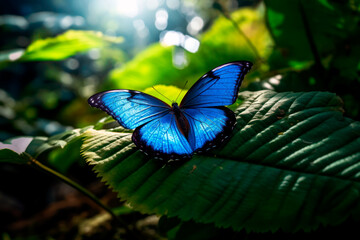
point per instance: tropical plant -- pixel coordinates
(292, 161)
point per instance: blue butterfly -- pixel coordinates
(200, 122)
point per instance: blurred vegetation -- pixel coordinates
(55, 54)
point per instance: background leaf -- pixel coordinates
(18, 145)
(9, 156)
(65, 149)
(284, 167)
(66, 45)
(329, 22)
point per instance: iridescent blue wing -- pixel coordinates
(209, 126)
(219, 87)
(161, 138)
(130, 108)
(156, 130)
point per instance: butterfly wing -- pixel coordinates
(209, 126)
(161, 138)
(130, 108)
(156, 131)
(218, 87)
(210, 122)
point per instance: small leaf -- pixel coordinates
(57, 141)
(293, 163)
(18, 145)
(63, 158)
(9, 156)
(13, 150)
(66, 45)
(168, 93)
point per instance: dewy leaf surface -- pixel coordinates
(293, 163)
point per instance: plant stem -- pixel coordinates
(310, 38)
(248, 41)
(78, 187)
(71, 183)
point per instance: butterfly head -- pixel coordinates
(175, 105)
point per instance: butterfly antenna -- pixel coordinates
(161, 94)
(181, 91)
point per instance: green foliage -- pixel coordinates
(284, 167)
(316, 48)
(66, 45)
(292, 162)
(328, 22)
(220, 44)
(65, 149)
(63, 156)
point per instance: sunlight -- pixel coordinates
(275, 80)
(171, 38)
(191, 44)
(126, 8)
(152, 4)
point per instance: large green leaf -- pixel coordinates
(293, 163)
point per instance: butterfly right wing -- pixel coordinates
(218, 87)
(162, 139)
(209, 127)
(130, 108)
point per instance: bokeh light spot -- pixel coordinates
(72, 63)
(195, 25)
(174, 38)
(191, 44)
(161, 19)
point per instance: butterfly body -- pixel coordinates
(181, 121)
(200, 122)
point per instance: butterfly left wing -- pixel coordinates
(130, 108)
(209, 126)
(161, 138)
(218, 87)
(156, 131)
